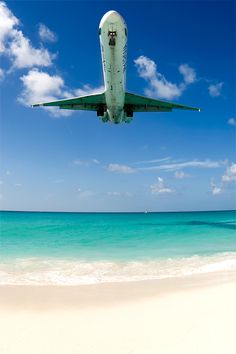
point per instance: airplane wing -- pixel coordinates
(145, 104)
(88, 103)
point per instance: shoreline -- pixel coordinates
(36, 271)
(100, 294)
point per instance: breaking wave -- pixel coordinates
(38, 271)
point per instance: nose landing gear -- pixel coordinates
(112, 40)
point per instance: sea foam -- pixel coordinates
(38, 271)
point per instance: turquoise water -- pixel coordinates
(71, 248)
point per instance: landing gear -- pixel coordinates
(101, 110)
(105, 118)
(112, 40)
(102, 113)
(129, 111)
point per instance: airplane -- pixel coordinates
(114, 104)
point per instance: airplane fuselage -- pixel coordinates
(113, 41)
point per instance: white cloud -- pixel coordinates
(159, 187)
(216, 190)
(215, 90)
(46, 34)
(188, 73)
(187, 164)
(228, 177)
(114, 167)
(16, 46)
(181, 175)
(151, 161)
(39, 86)
(159, 86)
(146, 67)
(7, 22)
(85, 194)
(119, 194)
(24, 55)
(97, 162)
(88, 90)
(232, 121)
(230, 174)
(79, 162)
(113, 194)
(1, 182)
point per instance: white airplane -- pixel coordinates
(114, 104)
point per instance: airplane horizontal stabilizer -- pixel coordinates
(88, 103)
(139, 103)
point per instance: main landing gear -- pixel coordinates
(129, 111)
(101, 110)
(102, 113)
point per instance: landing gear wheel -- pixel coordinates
(129, 112)
(100, 111)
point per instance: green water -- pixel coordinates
(117, 236)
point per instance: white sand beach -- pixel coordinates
(191, 315)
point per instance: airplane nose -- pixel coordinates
(111, 16)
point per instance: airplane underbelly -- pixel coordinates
(114, 75)
(114, 92)
(114, 48)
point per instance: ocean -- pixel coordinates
(45, 248)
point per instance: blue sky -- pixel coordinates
(179, 51)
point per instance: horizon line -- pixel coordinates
(118, 212)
